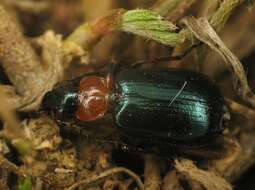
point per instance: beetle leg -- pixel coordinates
(116, 67)
(109, 80)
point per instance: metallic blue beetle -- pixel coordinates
(151, 107)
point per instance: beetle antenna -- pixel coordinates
(168, 58)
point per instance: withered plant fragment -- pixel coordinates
(57, 162)
(30, 76)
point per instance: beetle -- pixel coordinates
(149, 107)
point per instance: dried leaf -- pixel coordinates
(208, 179)
(225, 10)
(205, 33)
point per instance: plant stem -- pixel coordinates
(164, 7)
(221, 16)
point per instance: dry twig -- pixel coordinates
(9, 166)
(240, 109)
(221, 16)
(29, 5)
(31, 78)
(105, 174)
(151, 173)
(164, 7)
(208, 179)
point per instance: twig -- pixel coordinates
(241, 160)
(29, 5)
(12, 125)
(17, 56)
(171, 181)
(240, 109)
(80, 42)
(151, 173)
(12, 129)
(181, 10)
(207, 8)
(30, 78)
(105, 174)
(7, 165)
(164, 7)
(221, 16)
(208, 179)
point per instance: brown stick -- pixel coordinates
(221, 16)
(240, 109)
(9, 166)
(17, 56)
(30, 78)
(181, 10)
(105, 174)
(208, 179)
(151, 174)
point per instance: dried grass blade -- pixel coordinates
(205, 33)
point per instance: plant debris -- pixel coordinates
(45, 42)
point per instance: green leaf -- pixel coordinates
(148, 24)
(25, 184)
(23, 146)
